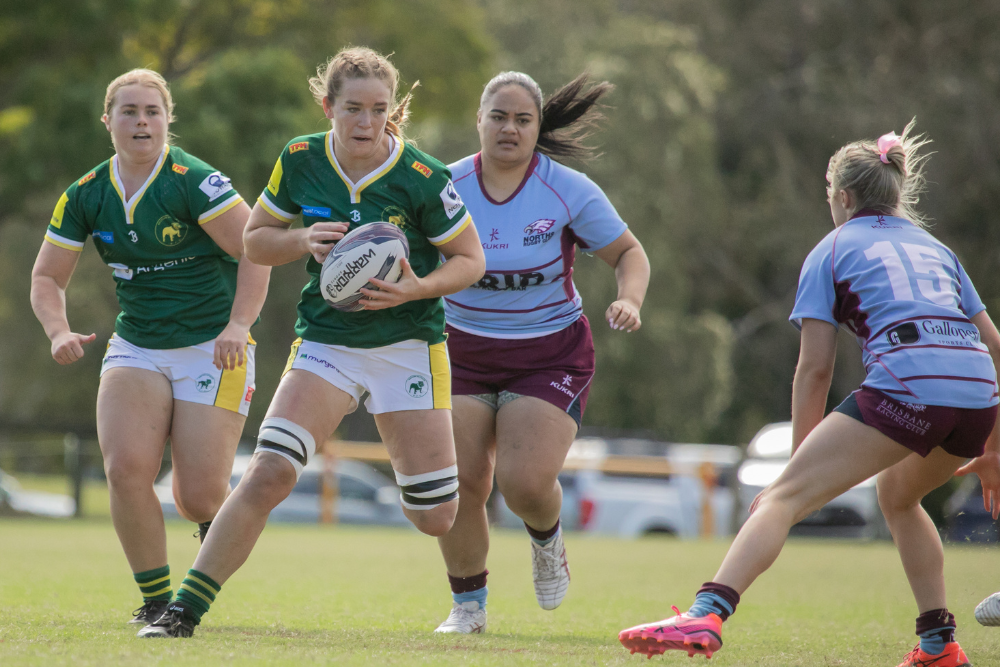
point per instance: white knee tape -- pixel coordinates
(287, 439)
(428, 490)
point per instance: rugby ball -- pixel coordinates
(371, 251)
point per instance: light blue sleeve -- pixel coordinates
(595, 221)
(816, 296)
(971, 304)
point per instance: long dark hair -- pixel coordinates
(568, 117)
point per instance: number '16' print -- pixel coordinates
(926, 261)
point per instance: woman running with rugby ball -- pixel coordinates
(181, 362)
(522, 353)
(927, 404)
(361, 171)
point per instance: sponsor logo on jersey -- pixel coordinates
(317, 211)
(106, 237)
(946, 328)
(215, 185)
(423, 169)
(880, 223)
(205, 383)
(89, 177)
(299, 146)
(452, 202)
(492, 244)
(509, 282)
(417, 386)
(169, 232)
(179, 169)
(904, 334)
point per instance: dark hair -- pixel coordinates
(568, 117)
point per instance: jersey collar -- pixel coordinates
(116, 181)
(356, 188)
(477, 161)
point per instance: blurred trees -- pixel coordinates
(714, 150)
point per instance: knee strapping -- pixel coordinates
(428, 490)
(287, 439)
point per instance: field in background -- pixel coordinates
(313, 595)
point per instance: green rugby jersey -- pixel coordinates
(175, 286)
(411, 190)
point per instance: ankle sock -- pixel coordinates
(197, 593)
(936, 629)
(154, 584)
(543, 537)
(713, 598)
(469, 589)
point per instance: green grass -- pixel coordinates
(353, 596)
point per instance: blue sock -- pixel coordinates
(478, 595)
(933, 641)
(709, 603)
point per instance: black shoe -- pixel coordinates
(149, 612)
(173, 623)
(203, 531)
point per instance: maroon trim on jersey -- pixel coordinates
(957, 378)
(477, 160)
(922, 317)
(568, 242)
(870, 212)
(534, 268)
(847, 310)
(504, 310)
(943, 347)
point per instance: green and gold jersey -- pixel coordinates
(175, 286)
(411, 190)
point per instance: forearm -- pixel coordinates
(48, 300)
(632, 276)
(809, 392)
(251, 291)
(454, 275)
(274, 246)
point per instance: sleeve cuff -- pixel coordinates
(453, 232)
(63, 242)
(274, 210)
(213, 213)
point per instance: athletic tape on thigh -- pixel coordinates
(288, 439)
(427, 491)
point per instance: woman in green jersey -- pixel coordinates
(180, 364)
(361, 171)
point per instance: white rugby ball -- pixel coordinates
(374, 250)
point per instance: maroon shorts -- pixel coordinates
(921, 428)
(556, 368)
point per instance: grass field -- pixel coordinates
(353, 596)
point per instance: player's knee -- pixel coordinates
(524, 492)
(200, 504)
(430, 499)
(475, 487)
(125, 472)
(892, 498)
(283, 450)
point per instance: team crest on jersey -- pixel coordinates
(395, 215)
(215, 185)
(169, 232)
(423, 169)
(179, 169)
(89, 177)
(299, 146)
(538, 232)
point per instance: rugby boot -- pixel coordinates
(550, 571)
(149, 612)
(174, 622)
(203, 531)
(467, 618)
(951, 656)
(681, 633)
(988, 611)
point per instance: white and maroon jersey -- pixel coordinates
(908, 301)
(530, 242)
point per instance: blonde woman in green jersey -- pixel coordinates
(181, 362)
(361, 171)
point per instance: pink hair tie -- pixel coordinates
(885, 142)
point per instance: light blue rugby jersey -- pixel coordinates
(530, 242)
(907, 299)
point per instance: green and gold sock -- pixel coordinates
(154, 584)
(197, 593)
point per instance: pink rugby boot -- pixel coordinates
(681, 633)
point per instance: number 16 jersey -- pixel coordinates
(908, 301)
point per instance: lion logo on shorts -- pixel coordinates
(416, 386)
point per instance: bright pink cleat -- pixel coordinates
(681, 633)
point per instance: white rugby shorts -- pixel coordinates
(191, 371)
(409, 375)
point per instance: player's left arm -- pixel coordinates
(251, 286)
(464, 264)
(628, 258)
(987, 466)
